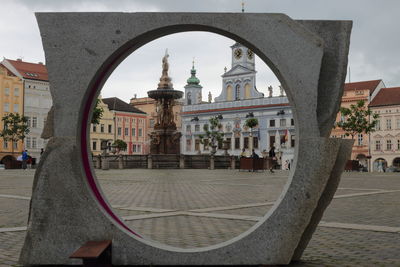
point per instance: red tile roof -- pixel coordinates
(386, 97)
(364, 85)
(32, 71)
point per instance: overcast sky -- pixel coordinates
(374, 49)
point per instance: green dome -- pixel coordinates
(193, 80)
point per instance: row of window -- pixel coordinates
(389, 145)
(6, 107)
(140, 121)
(236, 144)
(33, 121)
(282, 123)
(102, 129)
(30, 142)
(136, 148)
(388, 124)
(387, 111)
(133, 131)
(119, 130)
(7, 91)
(6, 145)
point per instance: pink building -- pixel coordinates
(130, 125)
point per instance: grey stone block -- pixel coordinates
(82, 49)
(326, 197)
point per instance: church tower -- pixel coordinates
(193, 89)
(239, 83)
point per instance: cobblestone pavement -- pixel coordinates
(199, 208)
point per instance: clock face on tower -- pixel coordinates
(238, 53)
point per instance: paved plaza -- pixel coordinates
(199, 208)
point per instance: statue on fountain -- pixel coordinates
(165, 138)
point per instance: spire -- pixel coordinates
(193, 80)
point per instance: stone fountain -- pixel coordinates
(165, 139)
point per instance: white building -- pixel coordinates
(37, 101)
(239, 99)
(385, 140)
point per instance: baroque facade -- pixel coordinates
(11, 100)
(239, 100)
(104, 131)
(353, 92)
(34, 100)
(385, 141)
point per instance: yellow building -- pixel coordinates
(102, 131)
(11, 100)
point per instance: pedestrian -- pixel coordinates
(271, 155)
(24, 159)
(41, 151)
(254, 155)
(243, 154)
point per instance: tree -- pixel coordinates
(212, 133)
(357, 119)
(97, 113)
(251, 123)
(120, 145)
(15, 128)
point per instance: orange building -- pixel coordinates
(353, 92)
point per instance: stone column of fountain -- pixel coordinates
(165, 139)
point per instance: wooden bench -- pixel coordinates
(94, 253)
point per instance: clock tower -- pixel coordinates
(239, 83)
(243, 56)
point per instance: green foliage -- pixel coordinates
(97, 113)
(358, 119)
(15, 127)
(120, 144)
(251, 122)
(212, 132)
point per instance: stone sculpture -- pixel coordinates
(270, 91)
(281, 91)
(165, 138)
(67, 207)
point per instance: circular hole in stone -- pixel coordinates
(212, 199)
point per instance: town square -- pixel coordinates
(199, 208)
(165, 135)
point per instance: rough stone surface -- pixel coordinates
(326, 198)
(48, 131)
(82, 49)
(336, 36)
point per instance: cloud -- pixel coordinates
(374, 49)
